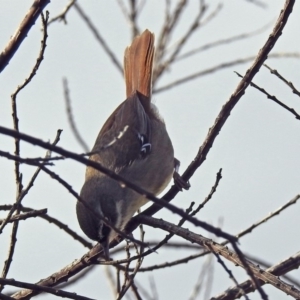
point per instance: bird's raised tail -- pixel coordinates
(138, 61)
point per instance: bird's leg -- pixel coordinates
(178, 180)
(105, 247)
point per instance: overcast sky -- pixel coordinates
(258, 148)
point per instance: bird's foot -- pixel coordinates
(178, 180)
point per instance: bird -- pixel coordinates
(135, 144)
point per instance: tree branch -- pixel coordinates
(21, 33)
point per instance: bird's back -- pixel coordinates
(134, 143)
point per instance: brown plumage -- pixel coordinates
(134, 143)
(138, 62)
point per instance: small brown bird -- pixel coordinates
(134, 143)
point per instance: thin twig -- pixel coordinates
(285, 266)
(209, 196)
(193, 27)
(210, 245)
(231, 276)
(188, 211)
(167, 237)
(164, 265)
(133, 14)
(18, 175)
(79, 158)
(30, 184)
(98, 37)
(62, 16)
(220, 121)
(55, 222)
(31, 214)
(239, 235)
(225, 41)
(130, 278)
(90, 208)
(78, 277)
(258, 3)
(79, 265)
(199, 283)
(266, 265)
(70, 115)
(135, 291)
(28, 161)
(171, 20)
(273, 98)
(226, 110)
(182, 221)
(22, 32)
(267, 218)
(219, 67)
(92, 257)
(39, 288)
(290, 84)
(131, 17)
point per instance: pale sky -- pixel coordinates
(258, 148)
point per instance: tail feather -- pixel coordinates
(138, 61)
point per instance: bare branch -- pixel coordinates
(133, 14)
(290, 84)
(220, 42)
(62, 16)
(194, 26)
(267, 218)
(22, 32)
(273, 98)
(28, 161)
(72, 123)
(79, 158)
(30, 184)
(31, 214)
(18, 175)
(219, 67)
(226, 109)
(266, 265)
(210, 245)
(135, 291)
(92, 257)
(39, 288)
(203, 253)
(98, 37)
(80, 276)
(164, 265)
(209, 196)
(231, 276)
(55, 222)
(188, 211)
(131, 17)
(258, 3)
(203, 273)
(171, 20)
(63, 275)
(281, 268)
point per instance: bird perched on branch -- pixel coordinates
(134, 143)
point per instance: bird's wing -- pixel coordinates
(126, 135)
